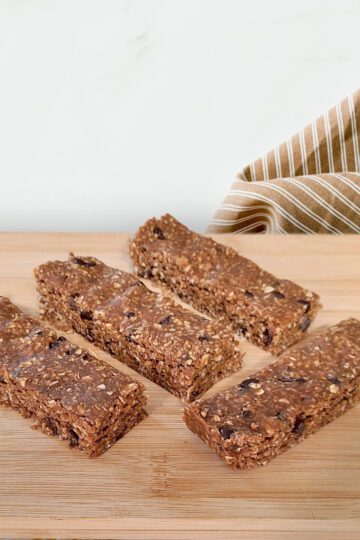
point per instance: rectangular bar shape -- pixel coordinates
(174, 347)
(68, 392)
(272, 313)
(266, 414)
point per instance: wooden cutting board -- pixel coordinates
(161, 481)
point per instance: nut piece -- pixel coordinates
(268, 289)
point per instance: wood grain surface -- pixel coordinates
(161, 481)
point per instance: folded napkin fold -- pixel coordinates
(309, 184)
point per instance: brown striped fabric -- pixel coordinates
(309, 184)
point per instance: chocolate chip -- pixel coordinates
(130, 314)
(73, 305)
(130, 335)
(267, 337)
(145, 274)
(249, 294)
(56, 343)
(16, 372)
(74, 438)
(49, 422)
(245, 413)
(83, 262)
(166, 320)
(298, 426)
(305, 303)
(2, 380)
(334, 380)
(86, 315)
(304, 325)
(278, 294)
(281, 415)
(244, 384)
(158, 232)
(300, 380)
(38, 333)
(204, 338)
(226, 431)
(243, 330)
(286, 379)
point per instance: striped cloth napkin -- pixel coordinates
(309, 184)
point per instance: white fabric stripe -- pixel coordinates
(329, 142)
(348, 181)
(272, 218)
(279, 160)
(341, 137)
(290, 157)
(316, 147)
(265, 167)
(277, 164)
(326, 205)
(303, 151)
(354, 132)
(252, 171)
(281, 210)
(301, 206)
(235, 208)
(251, 227)
(335, 191)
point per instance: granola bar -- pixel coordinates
(174, 347)
(69, 393)
(272, 313)
(304, 389)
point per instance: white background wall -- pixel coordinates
(112, 111)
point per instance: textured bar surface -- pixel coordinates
(306, 388)
(272, 313)
(69, 393)
(174, 347)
